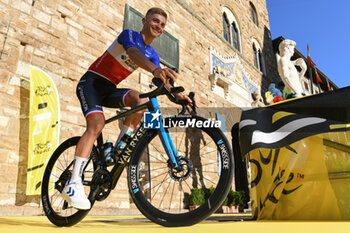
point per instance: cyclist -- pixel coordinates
(97, 88)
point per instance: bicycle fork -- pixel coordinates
(165, 137)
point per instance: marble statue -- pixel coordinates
(287, 70)
(220, 70)
(259, 101)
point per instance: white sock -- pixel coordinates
(126, 129)
(79, 164)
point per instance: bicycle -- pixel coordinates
(162, 169)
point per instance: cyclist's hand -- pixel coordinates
(181, 96)
(164, 73)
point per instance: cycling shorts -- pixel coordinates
(94, 91)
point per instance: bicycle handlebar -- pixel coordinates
(163, 90)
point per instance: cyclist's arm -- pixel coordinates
(141, 60)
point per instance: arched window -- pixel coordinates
(258, 57)
(253, 14)
(235, 36)
(226, 26)
(231, 29)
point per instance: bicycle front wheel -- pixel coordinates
(162, 193)
(57, 172)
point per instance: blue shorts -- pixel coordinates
(94, 91)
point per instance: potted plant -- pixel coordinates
(196, 198)
(224, 208)
(231, 202)
(239, 200)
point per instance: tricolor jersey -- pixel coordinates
(115, 64)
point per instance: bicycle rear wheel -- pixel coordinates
(161, 193)
(57, 172)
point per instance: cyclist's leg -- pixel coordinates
(94, 126)
(122, 97)
(57, 173)
(73, 192)
(91, 91)
(89, 95)
(133, 100)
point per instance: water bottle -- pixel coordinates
(123, 142)
(108, 152)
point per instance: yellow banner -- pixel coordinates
(308, 180)
(44, 115)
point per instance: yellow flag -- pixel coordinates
(44, 116)
(292, 183)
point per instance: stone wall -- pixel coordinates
(64, 37)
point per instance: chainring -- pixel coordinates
(101, 185)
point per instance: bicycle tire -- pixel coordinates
(144, 176)
(56, 209)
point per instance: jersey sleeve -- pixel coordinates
(127, 39)
(155, 60)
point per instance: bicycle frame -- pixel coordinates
(125, 155)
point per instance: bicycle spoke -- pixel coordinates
(157, 159)
(52, 175)
(209, 180)
(181, 189)
(189, 187)
(208, 164)
(60, 164)
(213, 172)
(183, 135)
(60, 169)
(159, 186)
(172, 193)
(208, 152)
(151, 188)
(166, 190)
(160, 168)
(159, 175)
(200, 149)
(162, 162)
(159, 153)
(52, 197)
(65, 158)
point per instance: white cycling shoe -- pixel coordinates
(74, 194)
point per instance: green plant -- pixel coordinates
(239, 198)
(234, 198)
(231, 198)
(225, 203)
(208, 192)
(197, 196)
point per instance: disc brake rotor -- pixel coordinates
(183, 172)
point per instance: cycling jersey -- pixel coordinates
(115, 64)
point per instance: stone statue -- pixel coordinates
(287, 70)
(259, 101)
(220, 70)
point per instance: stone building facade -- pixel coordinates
(64, 37)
